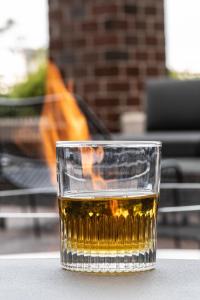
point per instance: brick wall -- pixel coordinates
(109, 48)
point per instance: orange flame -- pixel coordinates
(63, 120)
(61, 117)
(90, 156)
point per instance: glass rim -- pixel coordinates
(93, 143)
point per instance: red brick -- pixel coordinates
(91, 87)
(68, 29)
(130, 9)
(80, 42)
(80, 72)
(159, 26)
(132, 71)
(118, 86)
(88, 99)
(90, 57)
(56, 44)
(68, 57)
(56, 15)
(107, 101)
(94, 41)
(78, 11)
(116, 24)
(141, 85)
(140, 25)
(150, 10)
(89, 26)
(106, 71)
(151, 40)
(113, 116)
(131, 40)
(116, 55)
(106, 40)
(113, 126)
(104, 9)
(141, 55)
(160, 56)
(67, 43)
(152, 71)
(133, 101)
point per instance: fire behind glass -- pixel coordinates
(108, 196)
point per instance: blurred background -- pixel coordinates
(125, 70)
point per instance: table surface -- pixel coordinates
(44, 279)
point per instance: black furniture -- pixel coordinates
(173, 105)
(172, 108)
(172, 112)
(19, 171)
(30, 172)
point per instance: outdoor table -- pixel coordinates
(44, 279)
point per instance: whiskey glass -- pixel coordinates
(108, 197)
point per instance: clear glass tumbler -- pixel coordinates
(108, 196)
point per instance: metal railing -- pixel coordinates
(54, 215)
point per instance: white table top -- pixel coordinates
(44, 279)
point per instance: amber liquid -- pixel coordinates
(108, 224)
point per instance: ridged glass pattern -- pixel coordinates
(108, 234)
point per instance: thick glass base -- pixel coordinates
(109, 263)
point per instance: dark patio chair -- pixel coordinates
(172, 107)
